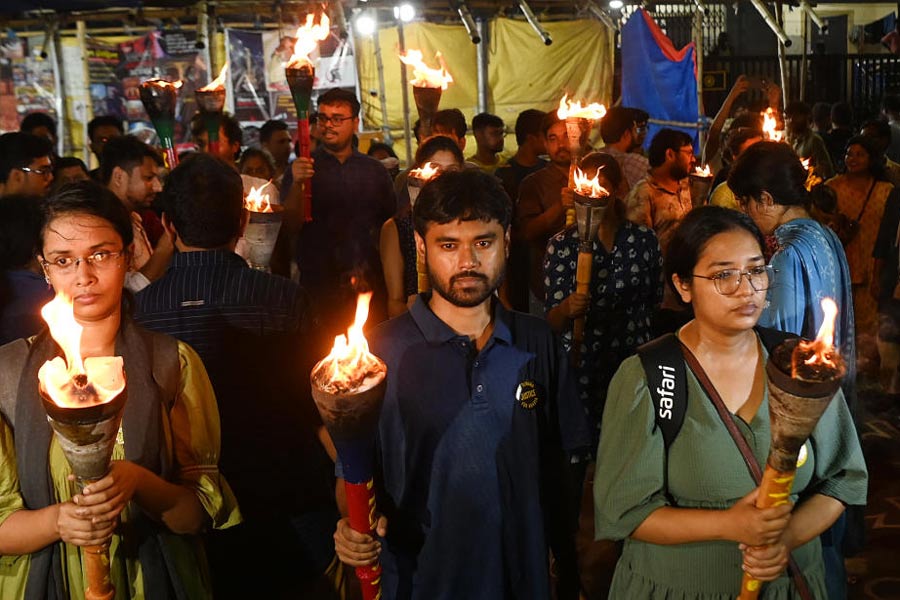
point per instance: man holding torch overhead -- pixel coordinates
(480, 419)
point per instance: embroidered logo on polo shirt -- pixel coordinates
(527, 394)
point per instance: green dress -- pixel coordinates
(705, 470)
(192, 432)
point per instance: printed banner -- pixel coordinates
(27, 82)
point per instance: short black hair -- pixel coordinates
(104, 120)
(666, 139)
(891, 103)
(694, 232)
(450, 119)
(607, 165)
(20, 230)
(749, 120)
(89, 198)
(469, 195)
(19, 149)
(203, 198)
(435, 144)
(484, 120)
(821, 111)
(376, 146)
(876, 157)
(615, 123)
(69, 161)
(528, 123)
(340, 96)
(882, 130)
(797, 109)
(270, 127)
(737, 137)
(641, 116)
(125, 152)
(550, 119)
(230, 127)
(842, 114)
(771, 167)
(33, 120)
(260, 153)
(417, 131)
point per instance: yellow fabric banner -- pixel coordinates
(522, 72)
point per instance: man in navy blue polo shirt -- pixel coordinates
(480, 419)
(352, 197)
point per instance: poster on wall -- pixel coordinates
(116, 71)
(259, 86)
(27, 81)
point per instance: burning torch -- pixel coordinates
(348, 388)
(770, 126)
(301, 75)
(579, 121)
(262, 229)
(84, 401)
(428, 85)
(418, 178)
(591, 201)
(803, 378)
(211, 100)
(812, 180)
(159, 98)
(701, 181)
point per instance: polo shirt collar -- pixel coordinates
(436, 331)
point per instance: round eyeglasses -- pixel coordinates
(728, 282)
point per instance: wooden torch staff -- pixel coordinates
(582, 286)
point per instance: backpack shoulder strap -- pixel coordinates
(12, 360)
(664, 366)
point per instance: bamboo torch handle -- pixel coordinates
(774, 490)
(303, 138)
(582, 286)
(96, 566)
(361, 512)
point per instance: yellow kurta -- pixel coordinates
(192, 434)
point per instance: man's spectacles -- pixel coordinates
(42, 171)
(100, 260)
(728, 282)
(336, 120)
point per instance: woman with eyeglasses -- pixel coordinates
(397, 243)
(687, 510)
(163, 486)
(769, 181)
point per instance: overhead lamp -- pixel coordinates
(468, 22)
(616, 4)
(532, 20)
(405, 12)
(365, 24)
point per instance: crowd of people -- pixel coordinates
(224, 481)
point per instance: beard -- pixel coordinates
(465, 295)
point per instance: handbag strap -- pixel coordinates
(866, 201)
(744, 447)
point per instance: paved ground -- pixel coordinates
(874, 573)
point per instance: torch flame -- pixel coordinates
(704, 171)
(218, 83)
(60, 317)
(589, 187)
(425, 76)
(575, 110)
(258, 202)
(823, 345)
(308, 37)
(770, 126)
(74, 383)
(350, 364)
(426, 172)
(163, 83)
